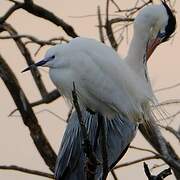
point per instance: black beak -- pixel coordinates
(40, 63)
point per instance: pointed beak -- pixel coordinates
(152, 46)
(40, 63)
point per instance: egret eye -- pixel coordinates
(161, 34)
(53, 56)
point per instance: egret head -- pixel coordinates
(50, 58)
(156, 23)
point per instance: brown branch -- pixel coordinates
(9, 12)
(118, 19)
(108, 27)
(167, 88)
(35, 40)
(131, 11)
(101, 35)
(137, 161)
(103, 144)
(169, 102)
(50, 97)
(152, 134)
(88, 150)
(114, 174)
(28, 116)
(171, 130)
(41, 12)
(28, 171)
(143, 149)
(116, 5)
(25, 52)
(160, 176)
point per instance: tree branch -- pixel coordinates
(41, 12)
(88, 150)
(103, 143)
(159, 143)
(28, 171)
(28, 116)
(137, 161)
(109, 30)
(10, 12)
(25, 52)
(160, 176)
(100, 26)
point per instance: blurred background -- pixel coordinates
(16, 145)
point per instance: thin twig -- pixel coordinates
(114, 174)
(28, 171)
(39, 11)
(173, 131)
(167, 88)
(50, 97)
(101, 35)
(26, 53)
(143, 149)
(160, 176)
(137, 161)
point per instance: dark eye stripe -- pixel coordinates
(171, 26)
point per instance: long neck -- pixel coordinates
(135, 57)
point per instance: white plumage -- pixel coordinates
(104, 82)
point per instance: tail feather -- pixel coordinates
(71, 159)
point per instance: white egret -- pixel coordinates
(119, 90)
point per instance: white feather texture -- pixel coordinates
(104, 82)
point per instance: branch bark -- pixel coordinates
(25, 52)
(88, 150)
(41, 12)
(28, 116)
(149, 131)
(28, 171)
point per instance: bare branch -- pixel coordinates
(108, 27)
(153, 135)
(50, 97)
(35, 40)
(9, 12)
(101, 35)
(137, 161)
(25, 52)
(92, 161)
(28, 171)
(28, 116)
(114, 174)
(103, 143)
(160, 176)
(173, 131)
(169, 102)
(167, 88)
(41, 12)
(143, 149)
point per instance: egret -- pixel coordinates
(118, 89)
